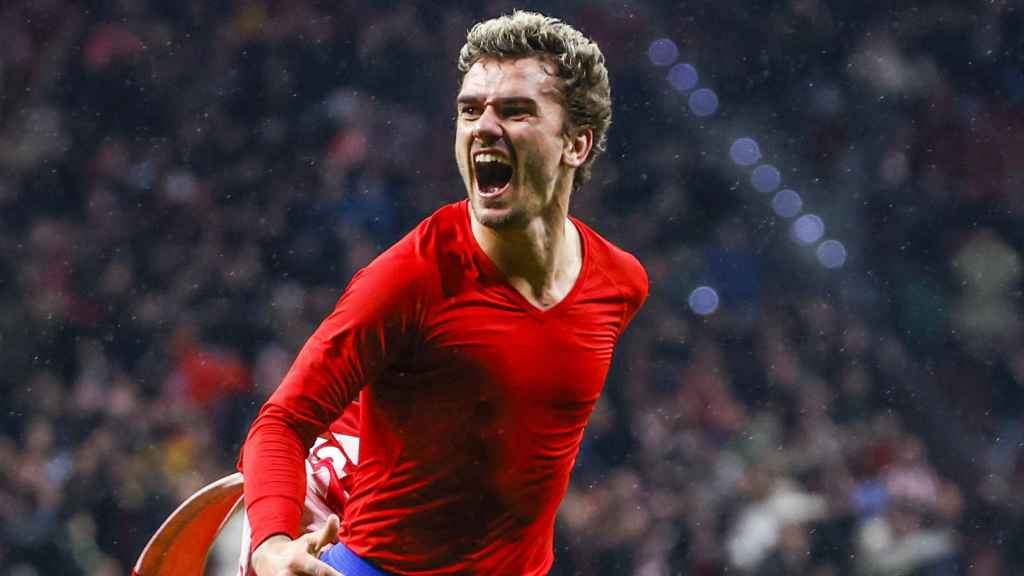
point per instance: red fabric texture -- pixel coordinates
(473, 403)
(348, 424)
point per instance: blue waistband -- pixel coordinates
(345, 561)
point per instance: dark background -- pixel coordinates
(185, 188)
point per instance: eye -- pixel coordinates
(517, 113)
(469, 111)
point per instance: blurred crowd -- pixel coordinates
(186, 187)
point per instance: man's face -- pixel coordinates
(510, 142)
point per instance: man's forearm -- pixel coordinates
(273, 464)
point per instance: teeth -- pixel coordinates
(492, 158)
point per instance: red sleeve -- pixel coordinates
(369, 327)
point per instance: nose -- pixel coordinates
(488, 126)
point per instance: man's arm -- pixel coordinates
(369, 327)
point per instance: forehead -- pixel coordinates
(526, 77)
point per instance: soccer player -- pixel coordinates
(478, 344)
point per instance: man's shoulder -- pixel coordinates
(419, 256)
(622, 267)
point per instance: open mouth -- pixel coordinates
(493, 173)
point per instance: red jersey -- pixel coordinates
(473, 403)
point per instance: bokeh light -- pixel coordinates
(831, 254)
(745, 152)
(766, 178)
(703, 102)
(683, 77)
(808, 229)
(703, 300)
(787, 203)
(662, 52)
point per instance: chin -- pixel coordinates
(497, 218)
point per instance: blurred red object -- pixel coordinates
(108, 42)
(209, 374)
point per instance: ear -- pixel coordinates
(577, 147)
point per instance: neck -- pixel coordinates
(541, 259)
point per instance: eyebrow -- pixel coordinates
(473, 98)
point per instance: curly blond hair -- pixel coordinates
(585, 91)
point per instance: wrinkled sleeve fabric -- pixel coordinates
(372, 324)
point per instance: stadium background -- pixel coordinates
(826, 381)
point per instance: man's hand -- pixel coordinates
(282, 556)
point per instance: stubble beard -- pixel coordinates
(511, 219)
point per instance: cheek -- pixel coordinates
(538, 170)
(544, 158)
(460, 146)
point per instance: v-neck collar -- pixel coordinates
(492, 269)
